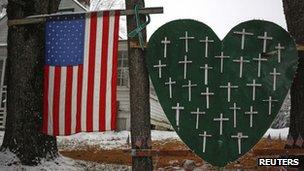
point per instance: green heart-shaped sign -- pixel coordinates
(221, 96)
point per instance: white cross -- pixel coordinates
(189, 86)
(275, 74)
(234, 108)
(177, 108)
(206, 41)
(260, 60)
(205, 136)
(159, 66)
(265, 38)
(251, 113)
(165, 42)
(241, 61)
(185, 62)
(206, 68)
(221, 119)
(243, 33)
(239, 136)
(207, 94)
(222, 57)
(279, 48)
(270, 100)
(170, 83)
(197, 113)
(186, 38)
(253, 85)
(229, 87)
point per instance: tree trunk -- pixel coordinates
(294, 14)
(25, 84)
(139, 93)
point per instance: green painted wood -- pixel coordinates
(221, 149)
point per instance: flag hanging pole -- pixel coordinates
(41, 18)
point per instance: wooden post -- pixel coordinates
(139, 94)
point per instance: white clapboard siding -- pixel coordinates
(3, 31)
(158, 118)
(124, 98)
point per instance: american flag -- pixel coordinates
(80, 73)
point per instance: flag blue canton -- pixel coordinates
(65, 40)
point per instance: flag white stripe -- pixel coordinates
(85, 76)
(50, 100)
(97, 81)
(74, 99)
(108, 99)
(62, 101)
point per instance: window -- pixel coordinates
(123, 68)
(123, 71)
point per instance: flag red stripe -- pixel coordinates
(79, 98)
(45, 99)
(56, 100)
(91, 71)
(103, 79)
(114, 72)
(68, 100)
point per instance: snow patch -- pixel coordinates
(163, 135)
(9, 162)
(107, 140)
(104, 140)
(276, 133)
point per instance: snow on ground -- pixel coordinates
(107, 140)
(276, 133)
(9, 162)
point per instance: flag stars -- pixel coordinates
(61, 40)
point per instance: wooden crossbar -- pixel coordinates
(42, 18)
(149, 152)
(300, 47)
(280, 152)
